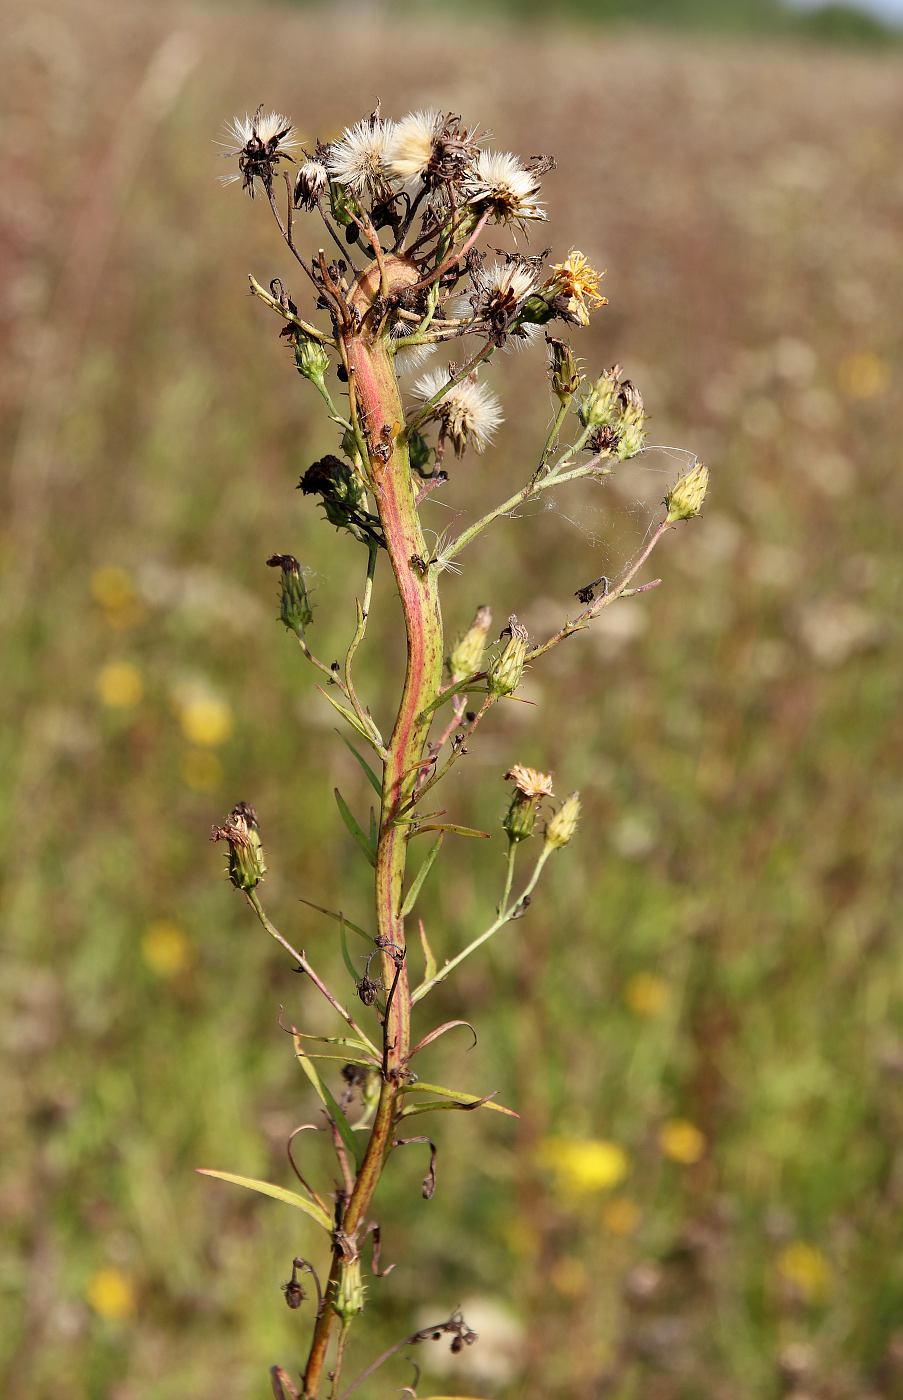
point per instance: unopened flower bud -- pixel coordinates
(246, 866)
(536, 311)
(467, 653)
(686, 498)
(349, 1290)
(311, 359)
(599, 407)
(295, 610)
(563, 372)
(506, 669)
(530, 787)
(311, 182)
(631, 433)
(561, 826)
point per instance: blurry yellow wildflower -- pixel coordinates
(206, 720)
(111, 1294)
(621, 1215)
(863, 376)
(807, 1270)
(119, 685)
(582, 1166)
(165, 949)
(577, 284)
(569, 1277)
(112, 589)
(681, 1141)
(202, 770)
(646, 995)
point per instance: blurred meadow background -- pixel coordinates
(700, 1018)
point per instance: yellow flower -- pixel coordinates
(863, 376)
(621, 1215)
(111, 1294)
(111, 588)
(583, 1166)
(646, 995)
(165, 949)
(201, 770)
(578, 283)
(807, 1270)
(206, 721)
(119, 685)
(681, 1141)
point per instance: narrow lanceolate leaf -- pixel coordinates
(440, 1030)
(340, 918)
(458, 1100)
(417, 882)
(452, 826)
(355, 829)
(278, 1193)
(373, 779)
(346, 956)
(353, 1144)
(429, 957)
(350, 717)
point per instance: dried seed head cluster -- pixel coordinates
(406, 204)
(469, 413)
(259, 143)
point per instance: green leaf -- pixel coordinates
(355, 1147)
(417, 882)
(333, 1040)
(346, 956)
(353, 826)
(457, 1099)
(374, 780)
(278, 1193)
(429, 957)
(350, 718)
(339, 917)
(451, 826)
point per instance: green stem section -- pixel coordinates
(505, 916)
(377, 411)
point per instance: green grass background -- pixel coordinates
(735, 734)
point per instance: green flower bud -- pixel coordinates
(295, 610)
(342, 495)
(245, 866)
(563, 372)
(686, 498)
(349, 1292)
(505, 670)
(561, 826)
(530, 787)
(467, 653)
(599, 407)
(631, 433)
(311, 359)
(536, 311)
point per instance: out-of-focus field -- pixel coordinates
(700, 1018)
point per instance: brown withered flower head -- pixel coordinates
(260, 143)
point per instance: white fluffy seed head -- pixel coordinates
(508, 282)
(410, 149)
(470, 413)
(358, 158)
(500, 182)
(263, 126)
(410, 358)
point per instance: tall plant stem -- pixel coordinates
(377, 410)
